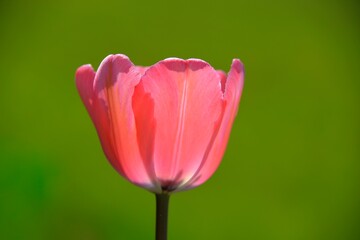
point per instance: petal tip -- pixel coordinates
(121, 56)
(197, 64)
(174, 64)
(180, 65)
(237, 65)
(84, 73)
(83, 69)
(115, 57)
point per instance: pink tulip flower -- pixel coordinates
(165, 127)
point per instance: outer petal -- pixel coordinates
(233, 90)
(113, 88)
(84, 82)
(85, 76)
(184, 104)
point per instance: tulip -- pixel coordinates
(165, 127)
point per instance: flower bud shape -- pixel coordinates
(165, 127)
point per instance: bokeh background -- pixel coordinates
(291, 170)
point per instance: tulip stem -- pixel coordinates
(162, 205)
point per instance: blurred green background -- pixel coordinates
(291, 169)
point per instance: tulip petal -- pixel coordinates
(113, 88)
(233, 89)
(84, 82)
(187, 103)
(85, 76)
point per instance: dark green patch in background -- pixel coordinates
(291, 170)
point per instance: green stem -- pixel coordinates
(162, 205)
